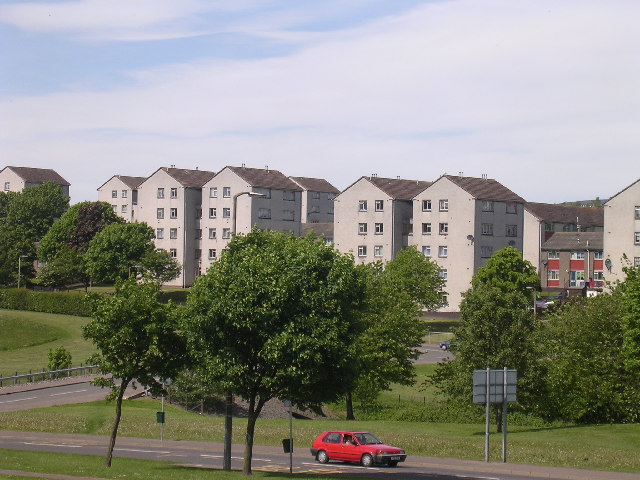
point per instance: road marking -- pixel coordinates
(19, 400)
(235, 458)
(52, 445)
(320, 465)
(141, 451)
(67, 393)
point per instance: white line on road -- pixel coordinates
(141, 451)
(235, 458)
(52, 445)
(19, 400)
(339, 465)
(67, 393)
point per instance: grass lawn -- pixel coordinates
(601, 447)
(28, 336)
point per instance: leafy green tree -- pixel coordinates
(584, 363)
(630, 289)
(59, 359)
(116, 249)
(160, 266)
(274, 318)
(66, 268)
(15, 248)
(137, 338)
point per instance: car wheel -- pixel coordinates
(393, 464)
(322, 456)
(366, 460)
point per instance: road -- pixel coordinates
(272, 459)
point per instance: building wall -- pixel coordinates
(348, 236)
(622, 231)
(533, 239)
(569, 270)
(317, 207)
(121, 197)
(10, 181)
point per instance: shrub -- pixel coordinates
(59, 359)
(47, 302)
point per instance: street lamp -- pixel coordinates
(20, 267)
(235, 207)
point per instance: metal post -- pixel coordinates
(228, 419)
(290, 439)
(486, 421)
(504, 415)
(20, 257)
(162, 424)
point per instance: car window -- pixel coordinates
(367, 438)
(332, 438)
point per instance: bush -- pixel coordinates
(47, 302)
(59, 359)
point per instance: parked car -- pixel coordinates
(360, 447)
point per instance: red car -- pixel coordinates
(361, 447)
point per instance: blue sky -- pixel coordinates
(541, 95)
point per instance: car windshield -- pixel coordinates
(367, 438)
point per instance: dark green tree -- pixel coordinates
(66, 268)
(16, 250)
(137, 338)
(630, 289)
(274, 318)
(160, 266)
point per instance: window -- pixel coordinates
(115, 208)
(213, 212)
(637, 216)
(212, 233)
(486, 251)
(577, 255)
(362, 250)
(426, 229)
(379, 228)
(330, 212)
(511, 231)
(160, 192)
(576, 278)
(226, 192)
(331, 196)
(226, 233)
(173, 252)
(443, 251)
(636, 238)
(379, 205)
(174, 193)
(443, 273)
(597, 255)
(444, 205)
(426, 250)
(262, 192)
(212, 253)
(377, 251)
(7, 187)
(124, 194)
(512, 207)
(173, 233)
(264, 213)
(123, 209)
(160, 213)
(553, 275)
(173, 213)
(598, 275)
(636, 262)
(314, 209)
(548, 227)
(288, 195)
(315, 195)
(213, 192)
(288, 215)
(487, 205)
(362, 205)
(443, 229)
(362, 228)
(114, 193)
(226, 213)
(426, 205)
(553, 255)
(198, 233)
(159, 233)
(487, 229)
(198, 213)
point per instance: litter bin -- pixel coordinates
(159, 417)
(287, 445)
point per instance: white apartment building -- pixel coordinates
(239, 198)
(170, 201)
(622, 232)
(121, 192)
(373, 217)
(317, 199)
(16, 179)
(460, 221)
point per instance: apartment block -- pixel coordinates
(622, 231)
(121, 192)
(460, 221)
(239, 198)
(170, 201)
(16, 179)
(373, 217)
(317, 199)
(543, 220)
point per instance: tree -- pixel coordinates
(15, 249)
(630, 289)
(137, 338)
(117, 248)
(66, 268)
(496, 330)
(160, 266)
(274, 318)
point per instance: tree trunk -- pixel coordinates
(114, 432)
(252, 416)
(349, 406)
(499, 418)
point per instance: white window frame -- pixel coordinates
(362, 250)
(173, 252)
(443, 251)
(578, 281)
(212, 233)
(487, 229)
(487, 205)
(226, 212)
(443, 205)
(174, 192)
(124, 194)
(213, 212)
(636, 262)
(213, 192)
(378, 228)
(114, 193)
(379, 205)
(212, 253)
(444, 274)
(378, 251)
(598, 255)
(123, 209)
(426, 205)
(577, 255)
(160, 193)
(636, 238)
(553, 275)
(173, 213)
(173, 233)
(226, 233)
(553, 255)
(426, 228)
(362, 228)
(159, 213)
(362, 205)
(426, 250)
(637, 212)
(443, 228)
(226, 192)
(159, 233)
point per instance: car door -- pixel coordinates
(332, 444)
(350, 448)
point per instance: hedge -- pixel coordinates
(47, 302)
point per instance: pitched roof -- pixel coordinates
(38, 175)
(189, 178)
(131, 182)
(397, 188)
(574, 241)
(485, 189)
(315, 184)
(625, 188)
(259, 177)
(548, 212)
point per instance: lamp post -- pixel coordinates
(234, 215)
(533, 291)
(20, 267)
